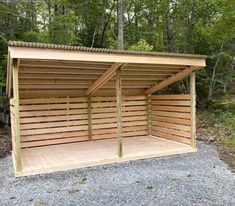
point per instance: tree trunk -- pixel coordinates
(212, 83)
(120, 23)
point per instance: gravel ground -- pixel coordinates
(190, 179)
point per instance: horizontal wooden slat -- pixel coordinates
(114, 130)
(52, 142)
(128, 134)
(52, 112)
(54, 130)
(171, 102)
(171, 120)
(53, 118)
(171, 108)
(52, 107)
(52, 100)
(171, 137)
(171, 131)
(54, 136)
(172, 97)
(171, 114)
(172, 126)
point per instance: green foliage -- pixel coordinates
(230, 142)
(192, 26)
(142, 45)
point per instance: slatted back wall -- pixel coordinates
(104, 117)
(50, 121)
(171, 117)
(53, 121)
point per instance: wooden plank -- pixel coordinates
(172, 120)
(149, 114)
(52, 100)
(193, 108)
(124, 114)
(171, 102)
(52, 112)
(172, 126)
(52, 107)
(171, 114)
(89, 117)
(171, 108)
(171, 131)
(171, 137)
(172, 96)
(128, 134)
(105, 77)
(53, 118)
(54, 130)
(124, 129)
(112, 104)
(174, 78)
(60, 135)
(119, 110)
(51, 125)
(52, 142)
(70, 55)
(17, 152)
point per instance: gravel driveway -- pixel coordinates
(191, 179)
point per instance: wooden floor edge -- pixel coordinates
(104, 162)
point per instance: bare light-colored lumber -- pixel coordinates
(149, 114)
(53, 158)
(170, 80)
(193, 108)
(171, 117)
(110, 73)
(69, 55)
(89, 118)
(17, 152)
(119, 110)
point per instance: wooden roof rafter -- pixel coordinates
(104, 78)
(174, 78)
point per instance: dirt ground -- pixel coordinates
(5, 142)
(216, 135)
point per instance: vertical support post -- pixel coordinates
(89, 118)
(119, 110)
(17, 152)
(193, 108)
(149, 113)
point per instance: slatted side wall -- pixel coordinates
(50, 121)
(104, 117)
(171, 117)
(53, 121)
(12, 115)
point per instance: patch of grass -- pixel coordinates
(230, 142)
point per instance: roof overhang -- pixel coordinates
(70, 55)
(33, 56)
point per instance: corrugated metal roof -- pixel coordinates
(100, 50)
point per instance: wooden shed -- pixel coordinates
(74, 107)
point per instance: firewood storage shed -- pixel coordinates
(74, 107)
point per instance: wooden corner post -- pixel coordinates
(193, 108)
(119, 110)
(17, 152)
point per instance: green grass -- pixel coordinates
(230, 142)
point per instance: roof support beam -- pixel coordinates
(170, 80)
(104, 78)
